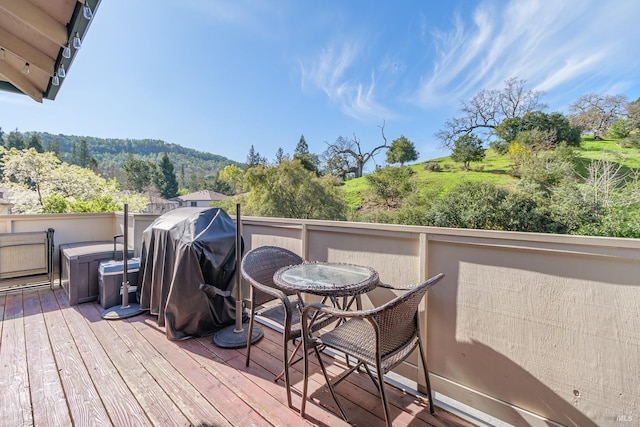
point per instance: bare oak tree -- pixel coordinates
(489, 108)
(596, 112)
(609, 184)
(345, 156)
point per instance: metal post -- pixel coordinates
(235, 336)
(126, 309)
(125, 259)
(239, 329)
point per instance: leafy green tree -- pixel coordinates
(193, 184)
(29, 168)
(234, 176)
(392, 184)
(15, 140)
(165, 178)
(138, 174)
(53, 146)
(633, 115)
(35, 142)
(468, 148)
(619, 129)
(218, 185)
(183, 176)
(254, 158)
(40, 182)
(308, 160)
(280, 156)
(401, 151)
(551, 124)
(81, 156)
(291, 191)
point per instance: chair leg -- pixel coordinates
(432, 408)
(290, 360)
(383, 394)
(333, 392)
(305, 376)
(250, 332)
(285, 359)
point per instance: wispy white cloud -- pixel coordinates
(329, 72)
(553, 45)
(252, 15)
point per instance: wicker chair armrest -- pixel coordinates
(403, 287)
(276, 293)
(335, 312)
(345, 314)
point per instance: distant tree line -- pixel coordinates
(555, 192)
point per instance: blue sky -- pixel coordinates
(220, 76)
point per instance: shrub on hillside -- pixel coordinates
(484, 205)
(632, 141)
(617, 222)
(433, 167)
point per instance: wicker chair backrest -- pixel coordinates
(259, 265)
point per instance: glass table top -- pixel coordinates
(324, 278)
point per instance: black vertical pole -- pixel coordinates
(235, 336)
(125, 260)
(126, 309)
(239, 328)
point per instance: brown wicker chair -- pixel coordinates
(382, 337)
(258, 267)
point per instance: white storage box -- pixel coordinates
(110, 281)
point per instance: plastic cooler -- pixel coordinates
(110, 281)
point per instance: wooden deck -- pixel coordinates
(64, 366)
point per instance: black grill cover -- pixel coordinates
(181, 250)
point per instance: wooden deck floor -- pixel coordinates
(66, 366)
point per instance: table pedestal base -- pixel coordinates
(228, 337)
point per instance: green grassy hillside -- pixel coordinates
(494, 168)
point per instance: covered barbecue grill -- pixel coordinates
(185, 251)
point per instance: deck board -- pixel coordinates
(44, 380)
(65, 365)
(83, 399)
(120, 403)
(236, 411)
(168, 376)
(156, 402)
(16, 404)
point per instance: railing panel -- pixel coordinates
(525, 327)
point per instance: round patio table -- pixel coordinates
(328, 279)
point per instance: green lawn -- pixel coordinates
(609, 149)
